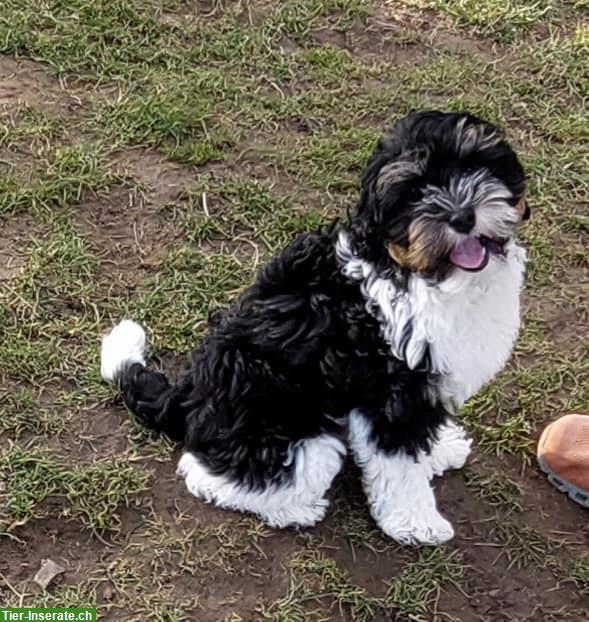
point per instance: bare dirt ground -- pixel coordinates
(152, 155)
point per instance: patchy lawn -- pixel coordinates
(152, 155)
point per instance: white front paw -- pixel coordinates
(451, 450)
(421, 526)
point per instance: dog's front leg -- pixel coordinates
(450, 449)
(398, 488)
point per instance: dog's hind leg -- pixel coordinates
(295, 497)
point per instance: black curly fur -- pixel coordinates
(287, 361)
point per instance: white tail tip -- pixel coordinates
(124, 345)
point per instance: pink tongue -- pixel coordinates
(469, 253)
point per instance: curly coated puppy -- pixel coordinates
(369, 334)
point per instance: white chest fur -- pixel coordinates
(469, 321)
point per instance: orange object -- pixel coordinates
(563, 454)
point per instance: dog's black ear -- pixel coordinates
(380, 188)
(380, 208)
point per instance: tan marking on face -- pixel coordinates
(419, 257)
(414, 257)
(520, 206)
(428, 247)
(398, 253)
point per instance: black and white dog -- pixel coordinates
(369, 334)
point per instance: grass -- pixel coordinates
(330, 65)
(319, 586)
(82, 595)
(78, 37)
(333, 162)
(197, 548)
(23, 411)
(581, 574)
(68, 173)
(168, 119)
(504, 20)
(495, 489)
(298, 17)
(93, 492)
(60, 268)
(139, 593)
(244, 209)
(417, 590)
(48, 306)
(262, 115)
(524, 546)
(25, 123)
(315, 579)
(199, 283)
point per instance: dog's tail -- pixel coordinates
(148, 394)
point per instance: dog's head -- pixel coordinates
(441, 192)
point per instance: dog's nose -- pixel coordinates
(463, 220)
